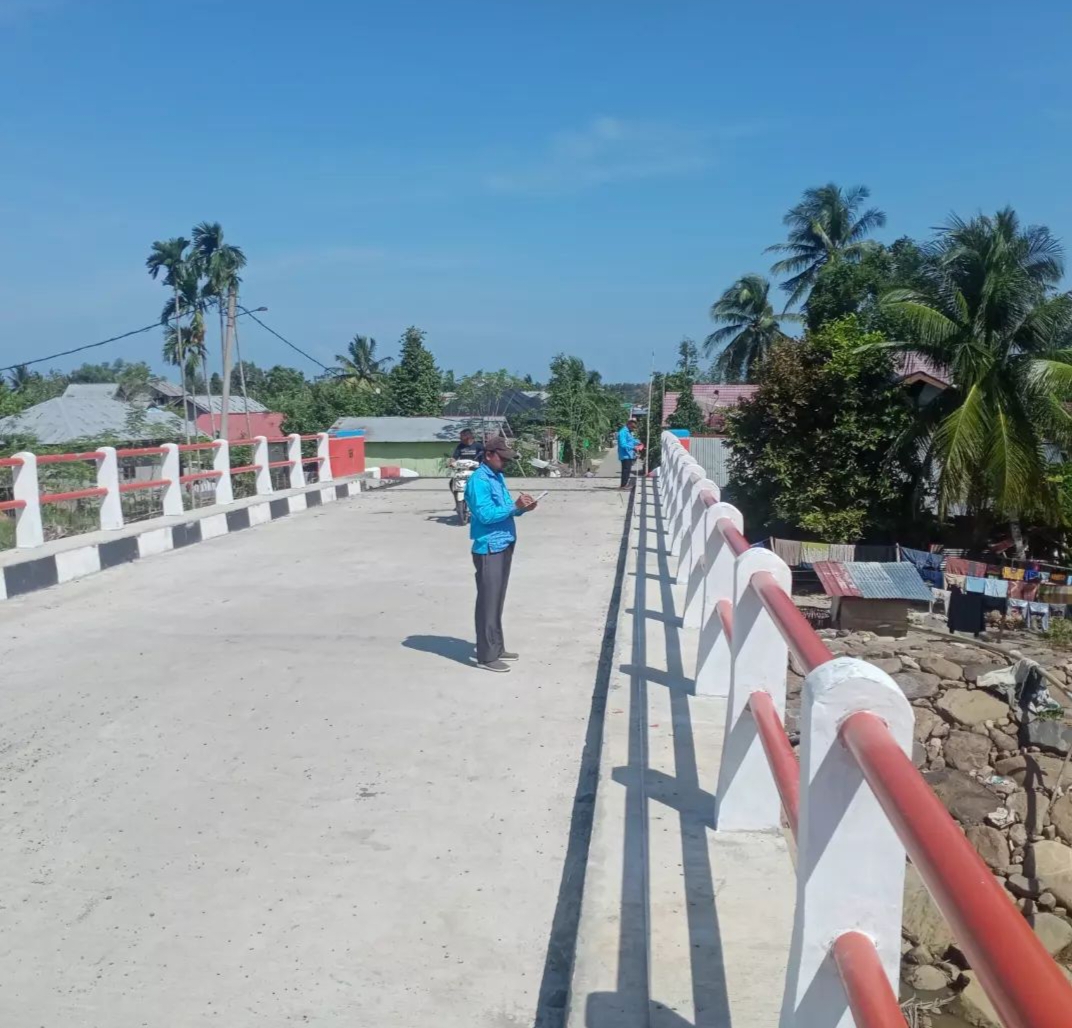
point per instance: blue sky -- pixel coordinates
(516, 178)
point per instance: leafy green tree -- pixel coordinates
(816, 449)
(988, 309)
(170, 257)
(750, 328)
(584, 414)
(415, 381)
(688, 358)
(687, 413)
(826, 224)
(359, 367)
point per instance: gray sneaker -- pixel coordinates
(495, 665)
(507, 655)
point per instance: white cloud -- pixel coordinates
(610, 150)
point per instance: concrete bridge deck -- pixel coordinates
(256, 783)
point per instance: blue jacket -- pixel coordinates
(491, 511)
(627, 443)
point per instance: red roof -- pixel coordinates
(711, 397)
(270, 425)
(914, 367)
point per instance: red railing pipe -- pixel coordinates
(68, 458)
(724, 609)
(152, 483)
(732, 534)
(12, 505)
(280, 463)
(197, 476)
(1024, 983)
(312, 460)
(141, 451)
(191, 447)
(243, 468)
(871, 1000)
(77, 494)
(10, 462)
(780, 756)
(807, 647)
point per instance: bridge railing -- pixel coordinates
(855, 803)
(168, 477)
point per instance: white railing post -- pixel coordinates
(323, 451)
(28, 528)
(850, 862)
(221, 461)
(747, 796)
(111, 506)
(261, 459)
(691, 472)
(713, 653)
(297, 469)
(688, 586)
(170, 471)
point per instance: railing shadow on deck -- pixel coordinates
(632, 1003)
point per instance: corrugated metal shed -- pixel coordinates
(420, 430)
(89, 412)
(872, 581)
(713, 456)
(235, 405)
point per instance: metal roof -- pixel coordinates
(235, 406)
(420, 430)
(711, 397)
(89, 412)
(872, 581)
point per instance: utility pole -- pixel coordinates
(647, 432)
(228, 342)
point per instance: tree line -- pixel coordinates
(834, 445)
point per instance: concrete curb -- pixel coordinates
(77, 557)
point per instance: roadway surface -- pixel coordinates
(257, 782)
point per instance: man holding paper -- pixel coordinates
(491, 528)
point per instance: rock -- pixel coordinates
(891, 665)
(934, 753)
(919, 955)
(1032, 770)
(926, 722)
(1018, 836)
(973, 671)
(968, 708)
(1051, 863)
(1061, 817)
(1003, 741)
(1029, 807)
(941, 667)
(990, 844)
(1047, 901)
(966, 751)
(1024, 887)
(1054, 932)
(1051, 736)
(1001, 818)
(919, 754)
(921, 919)
(909, 663)
(964, 798)
(926, 979)
(918, 685)
(973, 1006)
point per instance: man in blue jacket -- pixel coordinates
(628, 445)
(491, 527)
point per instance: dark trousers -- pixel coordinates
(492, 578)
(627, 470)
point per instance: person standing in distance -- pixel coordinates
(628, 445)
(491, 528)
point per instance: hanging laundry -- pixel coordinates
(975, 585)
(811, 552)
(844, 552)
(1039, 612)
(1059, 577)
(965, 612)
(922, 558)
(995, 587)
(1031, 574)
(788, 550)
(960, 566)
(869, 552)
(1051, 593)
(1023, 590)
(955, 581)
(1013, 574)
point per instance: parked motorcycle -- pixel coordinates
(461, 472)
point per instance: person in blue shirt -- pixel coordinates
(491, 528)
(628, 447)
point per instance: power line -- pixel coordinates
(113, 339)
(283, 339)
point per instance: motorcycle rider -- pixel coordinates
(468, 448)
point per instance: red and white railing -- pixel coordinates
(855, 802)
(168, 477)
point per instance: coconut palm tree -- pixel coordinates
(825, 225)
(169, 256)
(359, 367)
(989, 312)
(219, 263)
(19, 377)
(749, 327)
